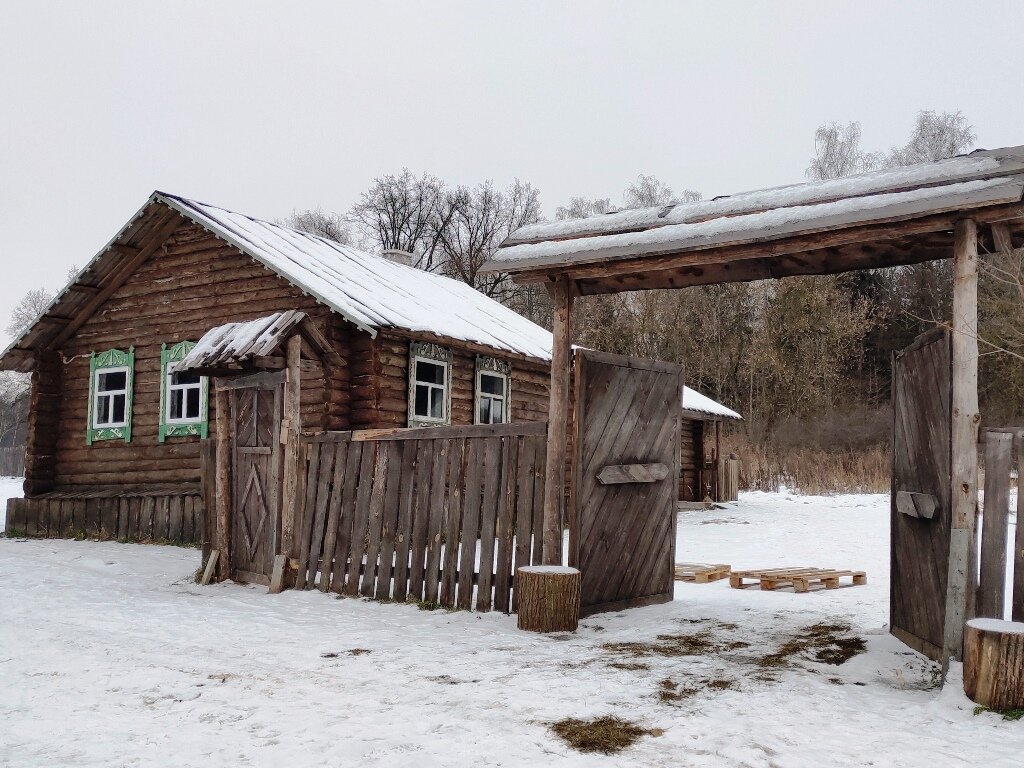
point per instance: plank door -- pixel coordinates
(256, 484)
(622, 534)
(922, 443)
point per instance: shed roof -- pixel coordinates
(760, 232)
(695, 402)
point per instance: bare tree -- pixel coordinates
(27, 310)
(582, 207)
(649, 191)
(14, 390)
(479, 220)
(405, 213)
(936, 136)
(316, 221)
(837, 151)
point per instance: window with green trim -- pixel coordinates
(111, 378)
(183, 396)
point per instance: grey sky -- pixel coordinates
(266, 107)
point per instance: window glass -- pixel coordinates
(492, 385)
(429, 373)
(422, 397)
(112, 380)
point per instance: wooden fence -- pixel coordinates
(12, 461)
(172, 517)
(994, 528)
(440, 515)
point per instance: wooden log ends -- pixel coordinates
(994, 663)
(548, 597)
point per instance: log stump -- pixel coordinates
(549, 598)
(994, 663)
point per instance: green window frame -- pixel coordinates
(183, 427)
(105, 401)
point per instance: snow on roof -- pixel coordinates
(237, 342)
(985, 177)
(371, 291)
(695, 401)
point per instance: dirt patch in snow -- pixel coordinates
(822, 642)
(607, 735)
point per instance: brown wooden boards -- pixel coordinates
(623, 533)
(255, 494)
(921, 395)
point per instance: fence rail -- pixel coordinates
(990, 594)
(12, 461)
(442, 515)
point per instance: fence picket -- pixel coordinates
(505, 528)
(329, 568)
(403, 531)
(386, 569)
(1017, 611)
(375, 522)
(471, 504)
(992, 579)
(453, 521)
(436, 519)
(360, 518)
(347, 493)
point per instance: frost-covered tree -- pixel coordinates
(14, 388)
(837, 151)
(27, 310)
(649, 191)
(316, 221)
(936, 136)
(582, 207)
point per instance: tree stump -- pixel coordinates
(994, 663)
(549, 598)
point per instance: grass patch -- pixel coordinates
(630, 666)
(670, 646)
(1008, 714)
(822, 640)
(607, 735)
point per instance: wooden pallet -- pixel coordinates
(701, 573)
(800, 579)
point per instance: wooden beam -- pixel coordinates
(223, 528)
(558, 420)
(964, 459)
(291, 435)
(121, 273)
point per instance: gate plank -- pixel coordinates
(470, 523)
(347, 493)
(453, 522)
(506, 522)
(360, 518)
(494, 449)
(1018, 541)
(995, 519)
(329, 569)
(323, 479)
(524, 508)
(308, 512)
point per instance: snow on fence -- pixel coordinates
(12, 461)
(993, 598)
(440, 515)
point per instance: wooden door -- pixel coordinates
(256, 473)
(625, 478)
(921, 505)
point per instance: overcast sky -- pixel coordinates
(266, 107)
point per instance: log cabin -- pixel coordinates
(115, 431)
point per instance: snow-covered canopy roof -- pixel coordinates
(760, 234)
(695, 402)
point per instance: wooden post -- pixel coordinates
(1017, 612)
(558, 420)
(994, 523)
(223, 526)
(291, 436)
(208, 487)
(964, 458)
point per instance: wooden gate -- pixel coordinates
(921, 504)
(624, 480)
(256, 472)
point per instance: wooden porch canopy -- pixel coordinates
(902, 216)
(235, 348)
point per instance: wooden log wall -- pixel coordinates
(441, 515)
(192, 282)
(166, 519)
(44, 423)
(691, 459)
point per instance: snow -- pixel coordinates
(998, 625)
(762, 225)
(371, 291)
(111, 655)
(559, 569)
(695, 401)
(948, 171)
(234, 342)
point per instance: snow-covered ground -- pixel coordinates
(111, 655)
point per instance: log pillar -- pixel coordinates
(549, 598)
(561, 292)
(223, 473)
(291, 436)
(994, 663)
(964, 458)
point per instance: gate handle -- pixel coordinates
(915, 504)
(613, 474)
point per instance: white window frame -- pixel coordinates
(480, 395)
(445, 390)
(110, 393)
(169, 387)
